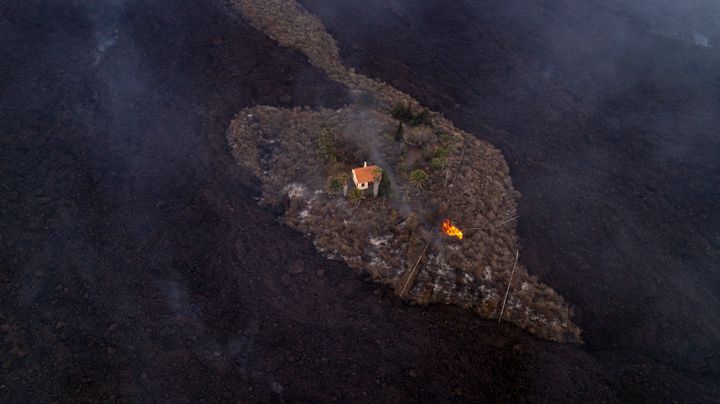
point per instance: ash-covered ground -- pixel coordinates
(136, 264)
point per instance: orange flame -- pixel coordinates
(450, 230)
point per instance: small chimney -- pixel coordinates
(365, 164)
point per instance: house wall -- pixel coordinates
(362, 185)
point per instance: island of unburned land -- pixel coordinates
(428, 172)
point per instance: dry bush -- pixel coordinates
(420, 136)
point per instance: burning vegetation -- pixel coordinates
(450, 230)
(429, 170)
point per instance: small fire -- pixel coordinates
(450, 230)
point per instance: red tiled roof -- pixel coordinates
(365, 174)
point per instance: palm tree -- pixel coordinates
(377, 177)
(356, 195)
(343, 178)
(333, 186)
(378, 173)
(419, 178)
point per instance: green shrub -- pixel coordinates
(423, 118)
(439, 157)
(334, 186)
(441, 151)
(403, 113)
(326, 146)
(419, 178)
(356, 195)
(438, 163)
(444, 138)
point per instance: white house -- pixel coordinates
(366, 175)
